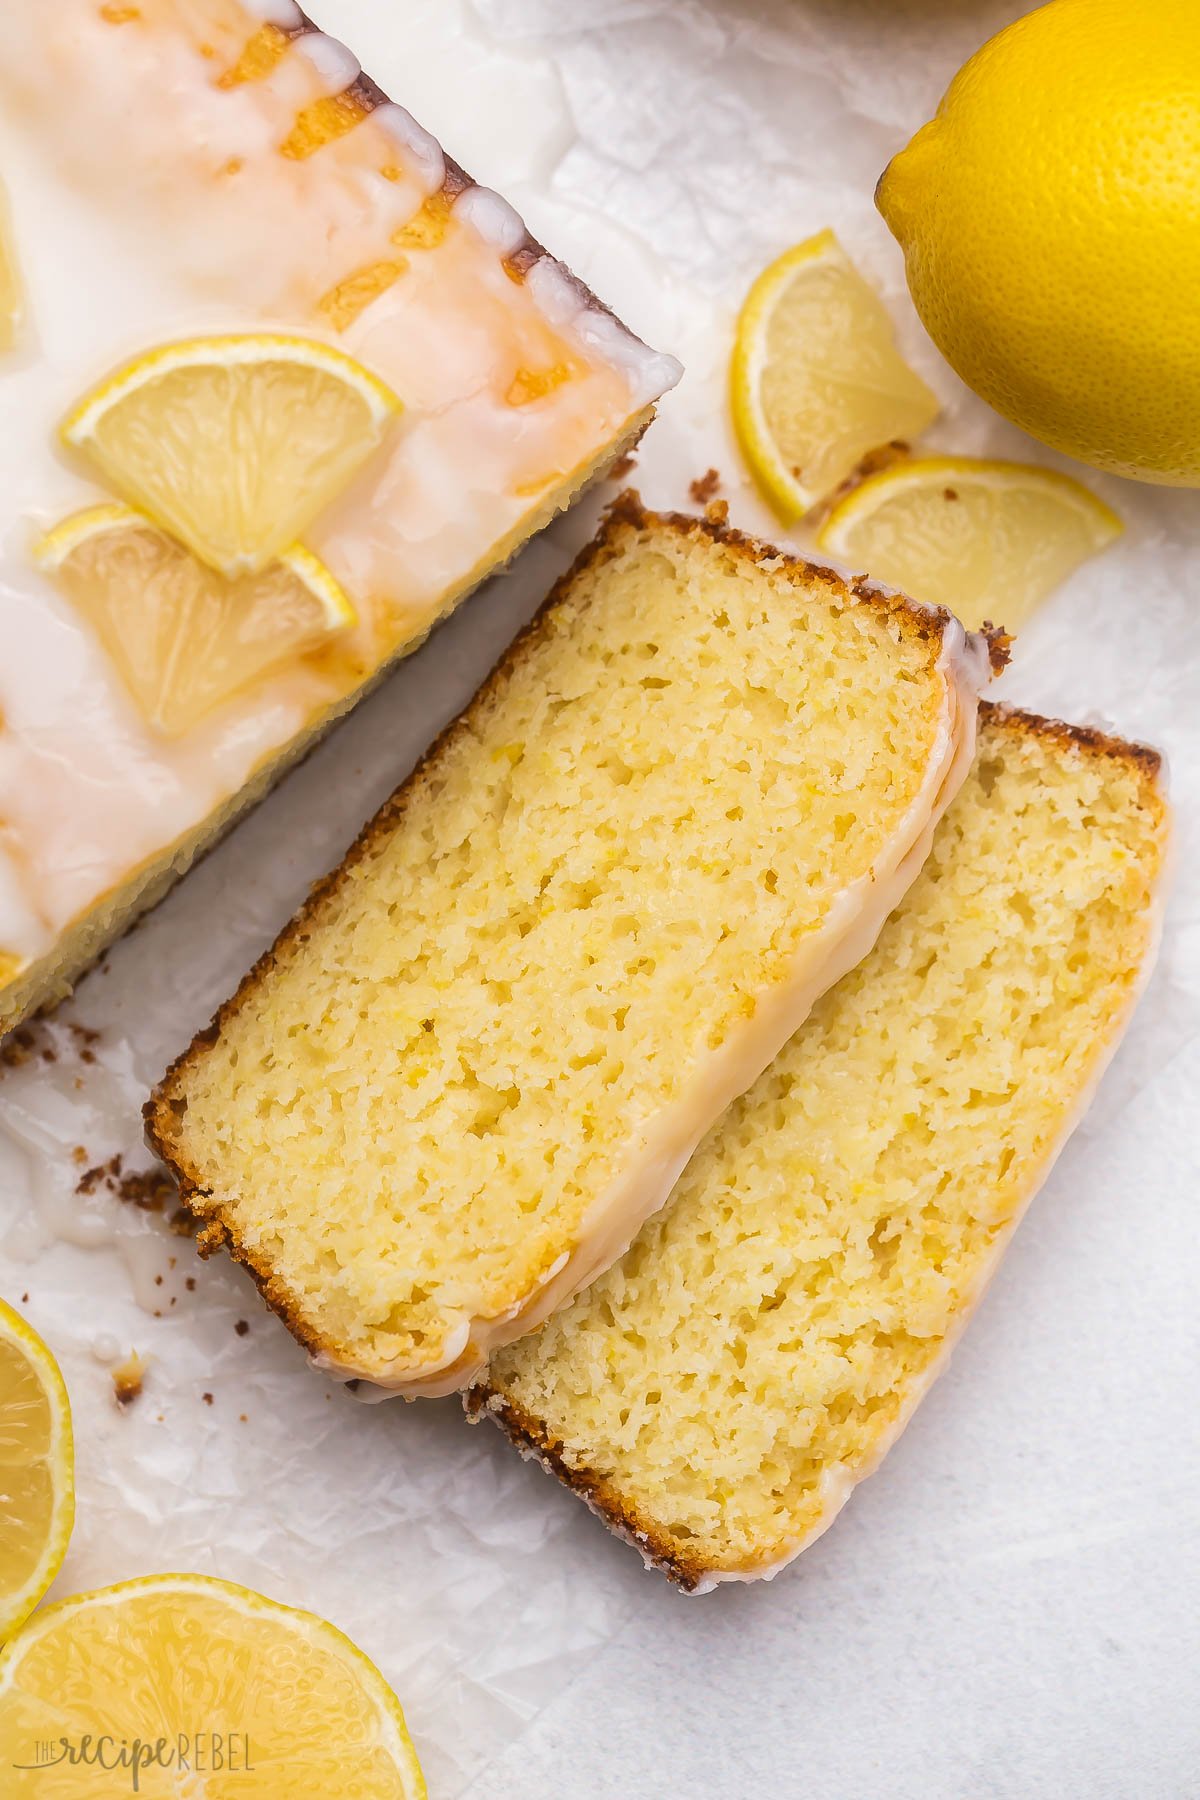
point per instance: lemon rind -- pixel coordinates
(52, 549)
(394, 1735)
(17, 1607)
(860, 502)
(236, 349)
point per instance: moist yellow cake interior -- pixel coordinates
(407, 1115)
(770, 1327)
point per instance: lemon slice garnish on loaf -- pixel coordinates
(989, 540)
(37, 1470)
(234, 444)
(184, 637)
(816, 380)
(289, 1705)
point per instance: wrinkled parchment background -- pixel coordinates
(1009, 1610)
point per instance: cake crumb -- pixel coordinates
(717, 512)
(79, 1154)
(17, 1048)
(190, 1284)
(182, 1223)
(128, 1379)
(147, 1189)
(207, 1399)
(705, 487)
(625, 465)
(242, 1327)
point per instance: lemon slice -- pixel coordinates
(989, 540)
(816, 380)
(234, 444)
(282, 1700)
(12, 299)
(183, 637)
(37, 1470)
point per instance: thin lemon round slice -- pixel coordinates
(816, 381)
(37, 1470)
(234, 444)
(12, 297)
(989, 540)
(216, 1690)
(183, 637)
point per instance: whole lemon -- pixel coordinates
(1050, 221)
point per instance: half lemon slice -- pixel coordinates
(37, 1470)
(262, 1701)
(816, 381)
(183, 637)
(989, 540)
(234, 444)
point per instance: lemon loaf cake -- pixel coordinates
(479, 1057)
(259, 304)
(719, 1392)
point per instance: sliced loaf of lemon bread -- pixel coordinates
(717, 1394)
(476, 1062)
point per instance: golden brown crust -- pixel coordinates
(532, 1439)
(625, 515)
(1147, 761)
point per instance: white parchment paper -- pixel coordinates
(667, 148)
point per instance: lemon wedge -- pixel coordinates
(234, 444)
(816, 382)
(263, 1702)
(37, 1470)
(989, 540)
(12, 299)
(183, 637)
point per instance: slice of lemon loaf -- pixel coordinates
(719, 1392)
(478, 1059)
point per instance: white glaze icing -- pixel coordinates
(847, 935)
(336, 65)
(423, 152)
(284, 13)
(216, 230)
(499, 225)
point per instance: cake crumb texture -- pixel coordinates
(402, 1121)
(721, 1388)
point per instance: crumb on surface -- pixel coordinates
(128, 1379)
(705, 487)
(207, 1399)
(242, 1327)
(623, 466)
